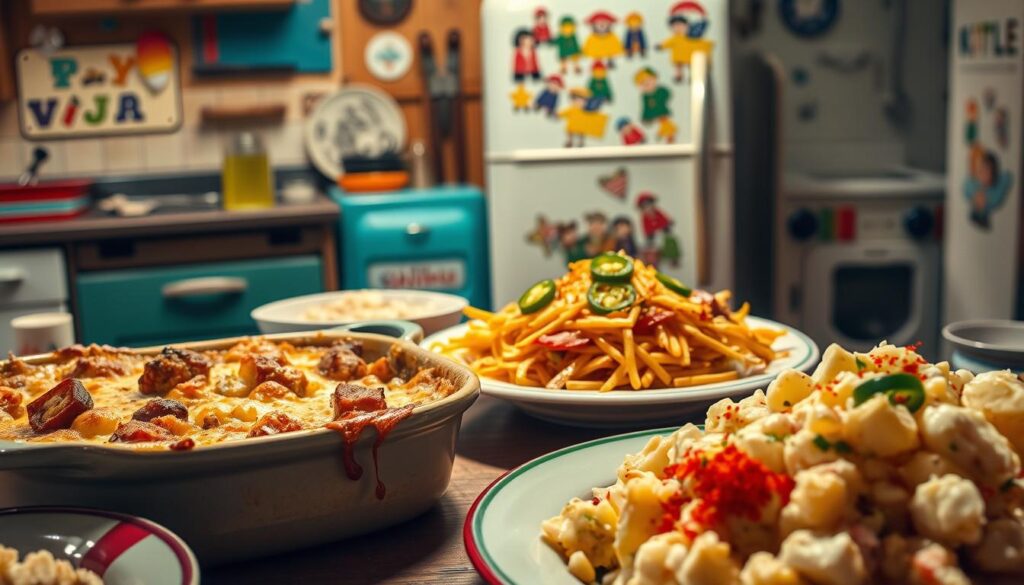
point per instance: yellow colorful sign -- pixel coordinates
(99, 90)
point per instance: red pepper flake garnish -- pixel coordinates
(596, 500)
(730, 482)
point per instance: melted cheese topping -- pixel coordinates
(223, 394)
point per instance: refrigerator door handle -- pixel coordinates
(699, 114)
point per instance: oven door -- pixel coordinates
(859, 294)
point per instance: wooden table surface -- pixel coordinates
(495, 437)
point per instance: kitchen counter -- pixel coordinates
(96, 224)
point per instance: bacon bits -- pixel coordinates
(342, 364)
(136, 431)
(186, 444)
(170, 368)
(161, 407)
(255, 370)
(59, 407)
(351, 397)
(274, 423)
(10, 401)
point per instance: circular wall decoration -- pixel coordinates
(809, 18)
(356, 120)
(388, 56)
(385, 12)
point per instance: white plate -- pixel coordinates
(122, 549)
(502, 530)
(440, 310)
(624, 408)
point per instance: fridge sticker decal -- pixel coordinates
(568, 46)
(659, 242)
(629, 132)
(599, 239)
(602, 45)
(524, 63)
(541, 30)
(615, 184)
(688, 22)
(581, 117)
(636, 41)
(987, 183)
(544, 234)
(548, 98)
(655, 103)
(520, 99)
(599, 86)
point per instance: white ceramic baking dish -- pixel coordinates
(255, 497)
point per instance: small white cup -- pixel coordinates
(42, 332)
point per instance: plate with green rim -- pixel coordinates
(633, 408)
(502, 529)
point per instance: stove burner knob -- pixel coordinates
(802, 224)
(918, 222)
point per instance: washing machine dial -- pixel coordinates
(802, 224)
(918, 222)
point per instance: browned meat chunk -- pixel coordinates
(268, 391)
(95, 366)
(210, 421)
(255, 370)
(382, 369)
(186, 444)
(58, 408)
(161, 407)
(170, 368)
(10, 401)
(274, 423)
(136, 431)
(342, 364)
(351, 397)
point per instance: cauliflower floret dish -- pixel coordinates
(877, 468)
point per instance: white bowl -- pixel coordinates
(287, 316)
(630, 408)
(122, 549)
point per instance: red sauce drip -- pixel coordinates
(351, 427)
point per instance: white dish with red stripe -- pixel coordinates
(631, 408)
(121, 549)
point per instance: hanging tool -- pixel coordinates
(442, 103)
(31, 174)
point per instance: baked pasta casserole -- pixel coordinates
(182, 399)
(878, 468)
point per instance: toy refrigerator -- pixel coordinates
(607, 127)
(984, 251)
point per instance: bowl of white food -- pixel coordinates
(433, 311)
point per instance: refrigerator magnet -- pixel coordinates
(388, 56)
(581, 118)
(544, 234)
(615, 184)
(541, 28)
(688, 23)
(520, 99)
(524, 59)
(654, 104)
(602, 44)
(548, 98)
(635, 41)
(568, 46)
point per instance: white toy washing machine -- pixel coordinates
(859, 257)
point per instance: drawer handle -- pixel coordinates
(11, 276)
(212, 285)
(415, 229)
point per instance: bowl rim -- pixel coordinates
(951, 333)
(422, 415)
(186, 558)
(259, 314)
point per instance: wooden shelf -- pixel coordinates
(78, 7)
(262, 112)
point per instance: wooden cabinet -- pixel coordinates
(64, 7)
(7, 90)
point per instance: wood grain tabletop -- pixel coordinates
(495, 437)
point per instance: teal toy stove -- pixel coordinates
(430, 239)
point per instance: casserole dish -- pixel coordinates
(243, 499)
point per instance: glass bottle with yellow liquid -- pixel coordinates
(246, 182)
